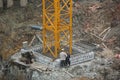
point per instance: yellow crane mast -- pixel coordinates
(57, 26)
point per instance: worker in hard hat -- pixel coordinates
(67, 61)
(63, 56)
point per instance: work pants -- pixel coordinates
(62, 63)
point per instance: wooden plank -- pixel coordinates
(104, 45)
(69, 74)
(38, 66)
(106, 34)
(39, 38)
(32, 41)
(104, 31)
(96, 36)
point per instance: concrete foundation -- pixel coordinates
(23, 3)
(1, 3)
(9, 3)
(78, 56)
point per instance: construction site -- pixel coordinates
(59, 39)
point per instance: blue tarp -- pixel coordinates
(36, 27)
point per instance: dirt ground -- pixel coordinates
(90, 19)
(15, 27)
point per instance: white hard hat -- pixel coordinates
(62, 49)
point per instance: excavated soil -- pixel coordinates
(90, 19)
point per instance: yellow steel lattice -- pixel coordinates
(57, 26)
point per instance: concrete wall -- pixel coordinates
(9, 3)
(23, 3)
(1, 3)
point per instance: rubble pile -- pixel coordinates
(98, 69)
(116, 64)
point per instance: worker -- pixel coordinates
(63, 56)
(29, 56)
(67, 61)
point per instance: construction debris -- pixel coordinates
(96, 43)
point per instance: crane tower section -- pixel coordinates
(57, 26)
